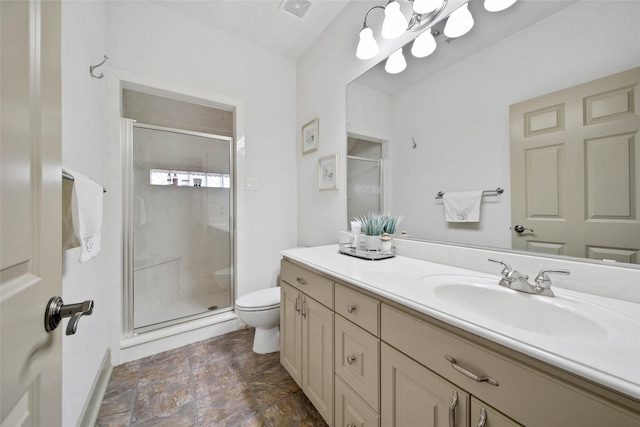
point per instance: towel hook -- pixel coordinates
(93, 67)
(414, 143)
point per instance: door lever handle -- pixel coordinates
(56, 310)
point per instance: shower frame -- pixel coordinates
(128, 329)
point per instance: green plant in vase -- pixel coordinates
(374, 225)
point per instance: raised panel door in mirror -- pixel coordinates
(578, 189)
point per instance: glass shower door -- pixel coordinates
(364, 178)
(181, 245)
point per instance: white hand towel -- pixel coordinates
(462, 206)
(86, 211)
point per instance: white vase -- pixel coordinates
(372, 243)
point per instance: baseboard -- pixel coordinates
(91, 407)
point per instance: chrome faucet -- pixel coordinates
(513, 279)
(543, 283)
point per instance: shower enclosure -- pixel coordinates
(178, 226)
(364, 177)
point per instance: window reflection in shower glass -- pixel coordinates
(182, 248)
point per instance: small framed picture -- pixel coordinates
(328, 172)
(310, 137)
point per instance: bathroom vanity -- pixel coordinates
(385, 343)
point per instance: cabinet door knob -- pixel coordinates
(351, 308)
(351, 359)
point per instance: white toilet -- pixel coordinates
(261, 310)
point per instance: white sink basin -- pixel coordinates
(562, 316)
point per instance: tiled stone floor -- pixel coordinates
(218, 382)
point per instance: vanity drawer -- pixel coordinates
(312, 284)
(357, 360)
(532, 398)
(358, 308)
(351, 410)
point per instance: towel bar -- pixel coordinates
(493, 193)
(71, 178)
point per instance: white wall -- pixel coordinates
(84, 150)
(537, 60)
(149, 40)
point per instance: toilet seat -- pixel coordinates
(265, 299)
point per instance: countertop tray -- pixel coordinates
(346, 249)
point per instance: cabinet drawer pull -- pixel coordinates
(470, 374)
(301, 281)
(351, 425)
(351, 308)
(483, 417)
(452, 409)
(351, 359)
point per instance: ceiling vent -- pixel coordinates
(297, 8)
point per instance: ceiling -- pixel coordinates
(263, 22)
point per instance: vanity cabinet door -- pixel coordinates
(291, 331)
(317, 356)
(415, 396)
(483, 415)
(351, 410)
(357, 360)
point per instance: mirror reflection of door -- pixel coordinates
(575, 170)
(364, 177)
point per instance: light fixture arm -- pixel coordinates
(364, 23)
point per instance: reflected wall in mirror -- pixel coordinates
(455, 104)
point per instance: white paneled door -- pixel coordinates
(575, 170)
(30, 255)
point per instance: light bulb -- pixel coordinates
(367, 46)
(459, 22)
(498, 5)
(423, 45)
(426, 6)
(394, 23)
(395, 63)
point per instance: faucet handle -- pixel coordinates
(506, 270)
(542, 279)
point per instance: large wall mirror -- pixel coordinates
(446, 118)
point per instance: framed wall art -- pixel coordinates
(310, 137)
(328, 172)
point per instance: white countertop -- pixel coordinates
(613, 362)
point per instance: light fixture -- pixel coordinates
(394, 23)
(367, 46)
(498, 5)
(395, 63)
(459, 22)
(424, 45)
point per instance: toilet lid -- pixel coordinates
(260, 300)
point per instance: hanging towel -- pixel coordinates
(462, 206)
(86, 211)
